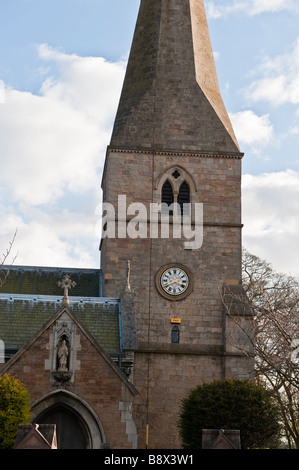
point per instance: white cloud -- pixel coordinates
(250, 7)
(88, 84)
(257, 7)
(219, 11)
(270, 217)
(2, 92)
(52, 148)
(55, 142)
(54, 238)
(279, 79)
(255, 131)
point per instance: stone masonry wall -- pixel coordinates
(201, 356)
(171, 377)
(95, 383)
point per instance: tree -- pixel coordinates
(14, 409)
(230, 404)
(3, 260)
(273, 299)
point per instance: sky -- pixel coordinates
(62, 65)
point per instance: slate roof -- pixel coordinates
(21, 316)
(30, 297)
(43, 281)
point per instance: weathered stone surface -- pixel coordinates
(171, 118)
(99, 385)
(170, 98)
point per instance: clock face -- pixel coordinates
(174, 281)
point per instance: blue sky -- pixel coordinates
(83, 27)
(62, 65)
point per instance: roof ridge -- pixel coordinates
(57, 298)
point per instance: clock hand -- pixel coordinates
(171, 282)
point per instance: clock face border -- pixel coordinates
(160, 289)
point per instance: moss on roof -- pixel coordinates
(21, 317)
(43, 281)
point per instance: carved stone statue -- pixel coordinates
(62, 357)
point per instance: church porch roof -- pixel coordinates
(21, 316)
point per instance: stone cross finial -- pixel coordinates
(66, 284)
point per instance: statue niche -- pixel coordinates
(62, 373)
(63, 355)
(64, 345)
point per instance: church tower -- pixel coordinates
(173, 148)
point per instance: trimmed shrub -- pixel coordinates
(230, 404)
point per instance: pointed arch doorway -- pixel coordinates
(77, 426)
(71, 431)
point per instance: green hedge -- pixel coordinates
(230, 404)
(14, 409)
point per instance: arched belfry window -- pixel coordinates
(184, 197)
(176, 186)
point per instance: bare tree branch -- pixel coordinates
(4, 272)
(273, 300)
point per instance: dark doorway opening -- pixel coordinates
(70, 429)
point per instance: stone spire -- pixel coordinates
(170, 99)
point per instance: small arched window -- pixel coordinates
(167, 193)
(175, 335)
(167, 196)
(184, 197)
